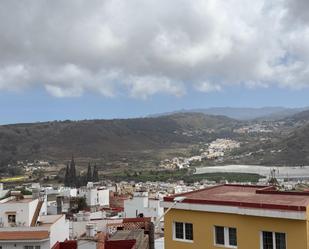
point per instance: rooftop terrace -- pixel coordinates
(247, 196)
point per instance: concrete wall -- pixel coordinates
(59, 231)
(248, 229)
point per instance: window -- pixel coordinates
(272, 240)
(32, 247)
(12, 218)
(232, 236)
(220, 236)
(183, 231)
(225, 236)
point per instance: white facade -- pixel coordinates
(22, 209)
(141, 204)
(3, 192)
(59, 230)
(95, 196)
(16, 217)
(64, 191)
(20, 244)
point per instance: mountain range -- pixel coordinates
(102, 138)
(149, 136)
(267, 113)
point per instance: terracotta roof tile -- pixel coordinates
(24, 235)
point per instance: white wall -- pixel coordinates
(95, 196)
(103, 197)
(59, 231)
(24, 210)
(141, 204)
(52, 207)
(20, 244)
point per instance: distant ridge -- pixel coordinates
(246, 113)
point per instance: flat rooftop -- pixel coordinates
(23, 200)
(247, 196)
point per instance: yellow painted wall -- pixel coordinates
(248, 229)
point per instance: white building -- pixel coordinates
(23, 226)
(3, 192)
(95, 196)
(142, 204)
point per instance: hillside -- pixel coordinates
(101, 138)
(291, 150)
(290, 146)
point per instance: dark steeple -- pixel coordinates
(70, 179)
(67, 176)
(95, 175)
(72, 170)
(89, 173)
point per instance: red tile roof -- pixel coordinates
(247, 196)
(120, 244)
(24, 235)
(67, 244)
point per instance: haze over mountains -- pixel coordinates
(245, 113)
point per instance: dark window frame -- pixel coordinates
(183, 231)
(273, 240)
(225, 236)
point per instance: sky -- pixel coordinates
(79, 59)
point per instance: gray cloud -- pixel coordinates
(145, 47)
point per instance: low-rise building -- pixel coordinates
(143, 206)
(95, 196)
(237, 216)
(23, 226)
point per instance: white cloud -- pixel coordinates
(145, 47)
(145, 86)
(207, 87)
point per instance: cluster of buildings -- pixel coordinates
(215, 150)
(255, 128)
(93, 216)
(156, 215)
(219, 147)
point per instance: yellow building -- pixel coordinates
(237, 216)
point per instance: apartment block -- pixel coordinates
(237, 216)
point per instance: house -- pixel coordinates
(24, 227)
(128, 234)
(142, 205)
(95, 196)
(237, 216)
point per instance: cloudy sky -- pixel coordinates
(75, 59)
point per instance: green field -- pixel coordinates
(185, 175)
